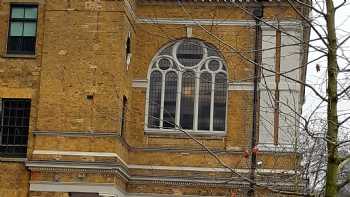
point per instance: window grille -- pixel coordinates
(14, 126)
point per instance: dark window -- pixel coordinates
(170, 100)
(14, 126)
(187, 100)
(204, 101)
(128, 50)
(128, 46)
(123, 118)
(155, 94)
(78, 194)
(22, 31)
(220, 102)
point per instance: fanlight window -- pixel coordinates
(187, 88)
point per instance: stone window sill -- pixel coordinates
(19, 56)
(12, 159)
(161, 133)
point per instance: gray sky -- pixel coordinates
(318, 79)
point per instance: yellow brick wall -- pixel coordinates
(14, 179)
(19, 78)
(81, 52)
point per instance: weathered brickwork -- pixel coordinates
(78, 77)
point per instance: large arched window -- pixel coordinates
(187, 88)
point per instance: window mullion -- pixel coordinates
(196, 98)
(178, 100)
(162, 101)
(212, 102)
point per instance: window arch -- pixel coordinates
(187, 88)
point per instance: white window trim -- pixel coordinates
(197, 71)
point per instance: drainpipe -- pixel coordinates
(258, 14)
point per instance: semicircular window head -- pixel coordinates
(187, 88)
(189, 52)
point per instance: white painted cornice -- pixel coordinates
(113, 166)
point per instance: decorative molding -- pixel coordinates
(283, 86)
(139, 83)
(240, 86)
(201, 181)
(101, 189)
(51, 165)
(9, 159)
(112, 190)
(205, 169)
(79, 153)
(286, 24)
(283, 148)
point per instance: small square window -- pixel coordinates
(22, 31)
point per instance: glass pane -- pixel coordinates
(164, 64)
(170, 100)
(154, 65)
(220, 102)
(223, 67)
(155, 92)
(190, 53)
(213, 65)
(17, 12)
(29, 29)
(204, 102)
(31, 12)
(28, 45)
(16, 29)
(212, 50)
(187, 100)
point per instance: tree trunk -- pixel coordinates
(332, 118)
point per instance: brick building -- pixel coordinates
(93, 93)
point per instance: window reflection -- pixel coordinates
(189, 53)
(170, 100)
(204, 101)
(155, 99)
(187, 100)
(220, 102)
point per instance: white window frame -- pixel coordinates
(196, 69)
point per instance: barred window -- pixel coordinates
(14, 126)
(187, 88)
